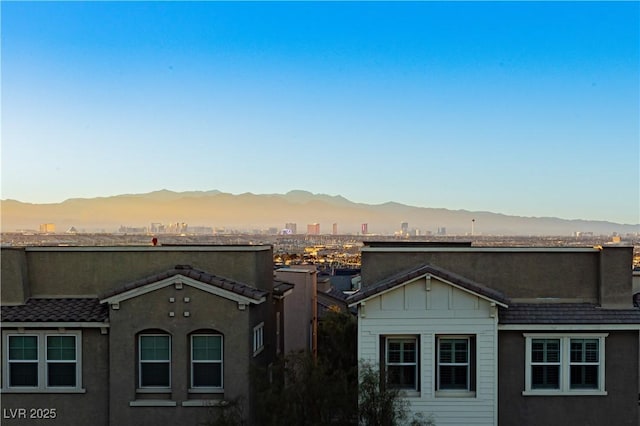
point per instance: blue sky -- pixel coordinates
(522, 108)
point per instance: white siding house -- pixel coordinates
(435, 336)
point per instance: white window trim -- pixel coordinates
(146, 389)
(565, 365)
(206, 389)
(258, 338)
(407, 392)
(42, 362)
(455, 393)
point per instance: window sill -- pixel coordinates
(206, 390)
(258, 351)
(46, 390)
(564, 393)
(454, 394)
(153, 390)
(205, 403)
(152, 403)
(410, 394)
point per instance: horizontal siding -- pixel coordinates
(395, 313)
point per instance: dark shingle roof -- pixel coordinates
(281, 287)
(407, 275)
(566, 313)
(187, 271)
(56, 310)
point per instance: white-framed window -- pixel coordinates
(207, 362)
(401, 362)
(565, 364)
(154, 361)
(258, 338)
(42, 361)
(455, 365)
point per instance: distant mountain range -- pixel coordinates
(247, 212)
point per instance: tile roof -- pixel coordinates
(187, 271)
(56, 310)
(281, 287)
(402, 277)
(566, 313)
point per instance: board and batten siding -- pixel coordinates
(431, 310)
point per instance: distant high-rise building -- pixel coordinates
(291, 227)
(334, 230)
(364, 229)
(442, 230)
(404, 228)
(47, 227)
(313, 229)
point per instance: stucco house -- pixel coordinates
(133, 335)
(503, 336)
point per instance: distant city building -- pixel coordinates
(292, 227)
(334, 230)
(364, 229)
(47, 227)
(313, 229)
(441, 230)
(404, 228)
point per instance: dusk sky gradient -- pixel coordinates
(521, 108)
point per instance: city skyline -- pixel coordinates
(520, 108)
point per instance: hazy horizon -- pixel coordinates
(528, 109)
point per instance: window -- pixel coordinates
(258, 338)
(206, 361)
(23, 361)
(564, 364)
(42, 361)
(401, 362)
(154, 352)
(455, 366)
(61, 361)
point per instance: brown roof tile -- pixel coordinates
(407, 275)
(56, 310)
(204, 277)
(566, 313)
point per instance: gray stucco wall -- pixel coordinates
(619, 407)
(151, 312)
(89, 408)
(521, 274)
(89, 271)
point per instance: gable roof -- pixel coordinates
(185, 274)
(566, 313)
(420, 271)
(56, 310)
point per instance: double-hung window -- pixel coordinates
(258, 338)
(455, 366)
(401, 362)
(154, 370)
(564, 364)
(206, 362)
(42, 361)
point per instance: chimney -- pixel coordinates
(616, 276)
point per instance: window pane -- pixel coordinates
(61, 374)
(545, 376)
(401, 376)
(584, 350)
(545, 350)
(23, 348)
(154, 348)
(206, 374)
(23, 374)
(584, 377)
(409, 352)
(453, 377)
(154, 374)
(207, 348)
(61, 348)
